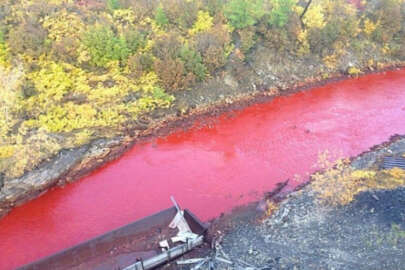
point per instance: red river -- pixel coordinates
(212, 169)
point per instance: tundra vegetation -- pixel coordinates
(337, 183)
(75, 70)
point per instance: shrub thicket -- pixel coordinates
(280, 12)
(338, 183)
(193, 62)
(104, 46)
(160, 17)
(244, 13)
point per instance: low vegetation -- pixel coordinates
(338, 182)
(75, 70)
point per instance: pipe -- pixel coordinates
(167, 255)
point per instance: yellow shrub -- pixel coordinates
(124, 17)
(156, 29)
(63, 24)
(362, 174)
(52, 83)
(271, 207)
(4, 56)
(369, 27)
(6, 151)
(10, 82)
(371, 63)
(339, 183)
(104, 93)
(314, 18)
(335, 186)
(353, 71)
(304, 47)
(396, 173)
(386, 49)
(330, 61)
(83, 137)
(148, 82)
(204, 23)
(67, 117)
(29, 152)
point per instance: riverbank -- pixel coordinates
(68, 111)
(208, 169)
(302, 232)
(72, 164)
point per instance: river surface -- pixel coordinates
(211, 169)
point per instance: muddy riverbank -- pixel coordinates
(72, 164)
(302, 233)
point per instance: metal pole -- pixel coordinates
(163, 257)
(175, 203)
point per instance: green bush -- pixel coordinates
(280, 12)
(161, 18)
(113, 5)
(135, 40)
(193, 62)
(104, 46)
(244, 13)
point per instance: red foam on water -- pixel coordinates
(213, 169)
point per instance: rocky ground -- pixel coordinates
(368, 233)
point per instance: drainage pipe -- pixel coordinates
(167, 255)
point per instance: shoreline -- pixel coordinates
(73, 164)
(281, 239)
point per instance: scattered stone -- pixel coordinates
(230, 81)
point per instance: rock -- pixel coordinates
(231, 81)
(67, 166)
(30, 185)
(1, 180)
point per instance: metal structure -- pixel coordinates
(166, 256)
(131, 247)
(392, 162)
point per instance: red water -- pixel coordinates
(213, 169)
